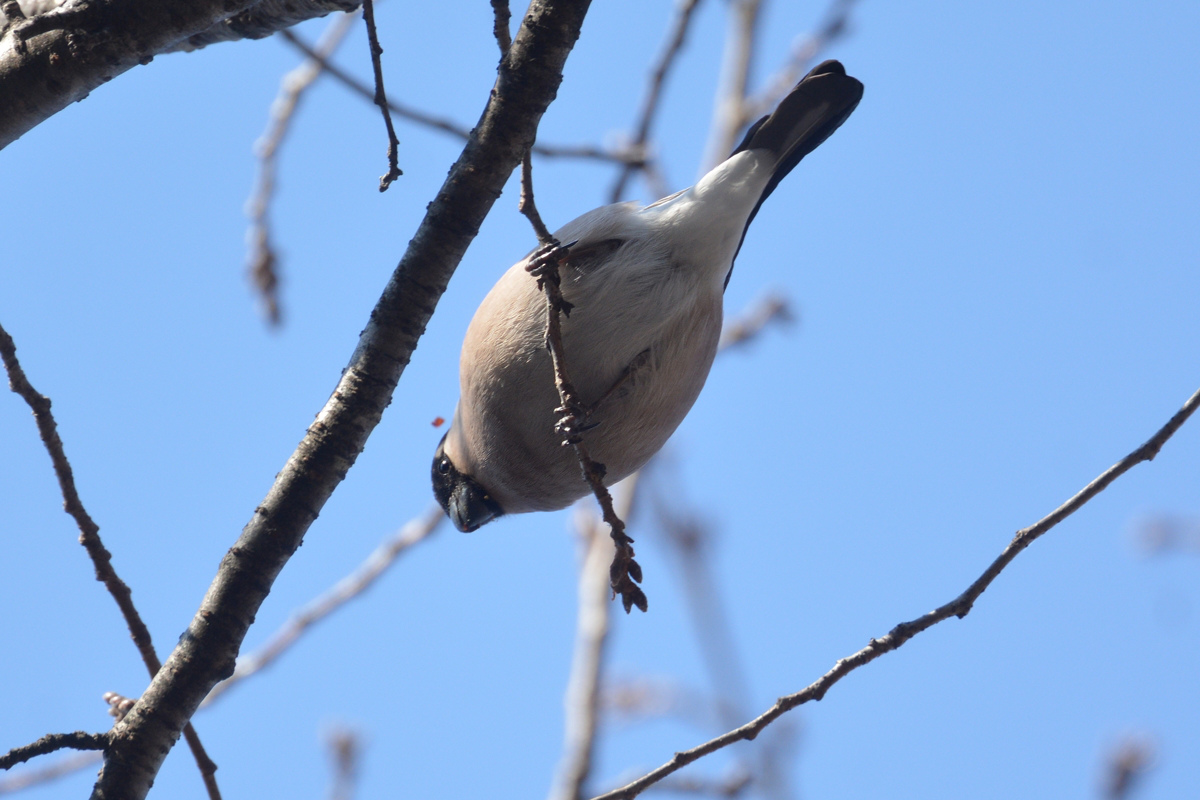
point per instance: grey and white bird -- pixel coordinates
(646, 285)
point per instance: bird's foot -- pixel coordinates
(543, 265)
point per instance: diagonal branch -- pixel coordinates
(897, 636)
(528, 78)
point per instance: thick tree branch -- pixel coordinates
(897, 636)
(51, 60)
(528, 79)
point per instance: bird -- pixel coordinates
(645, 286)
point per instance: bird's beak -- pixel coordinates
(469, 508)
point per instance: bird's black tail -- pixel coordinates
(811, 112)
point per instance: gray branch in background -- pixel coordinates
(528, 78)
(263, 266)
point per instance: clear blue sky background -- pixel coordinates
(995, 265)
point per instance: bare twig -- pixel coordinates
(958, 607)
(412, 533)
(51, 742)
(625, 573)
(623, 156)
(650, 103)
(263, 260)
(393, 151)
(89, 537)
(583, 698)
(528, 207)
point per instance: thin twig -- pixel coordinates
(625, 573)
(380, 98)
(51, 742)
(363, 577)
(263, 261)
(89, 537)
(588, 152)
(658, 77)
(958, 607)
(527, 206)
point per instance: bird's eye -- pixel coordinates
(444, 465)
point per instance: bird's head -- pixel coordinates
(468, 504)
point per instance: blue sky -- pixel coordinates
(994, 267)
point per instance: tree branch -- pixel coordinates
(958, 607)
(51, 60)
(528, 79)
(51, 742)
